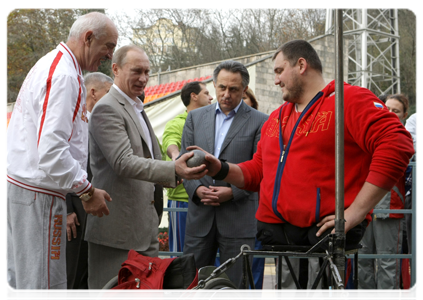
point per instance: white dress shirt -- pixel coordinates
(138, 107)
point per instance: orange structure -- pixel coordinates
(157, 91)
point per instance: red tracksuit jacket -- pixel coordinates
(300, 187)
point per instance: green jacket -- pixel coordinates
(172, 135)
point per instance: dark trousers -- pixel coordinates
(205, 249)
(288, 234)
(77, 251)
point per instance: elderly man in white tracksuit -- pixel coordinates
(47, 146)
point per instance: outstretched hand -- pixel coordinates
(214, 164)
(185, 172)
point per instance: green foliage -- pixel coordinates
(163, 229)
(32, 33)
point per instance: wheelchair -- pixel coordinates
(213, 283)
(296, 251)
(210, 278)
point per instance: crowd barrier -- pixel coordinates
(411, 256)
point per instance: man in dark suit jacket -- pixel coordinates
(126, 158)
(221, 215)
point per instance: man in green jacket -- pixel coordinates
(194, 95)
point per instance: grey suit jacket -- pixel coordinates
(122, 165)
(235, 218)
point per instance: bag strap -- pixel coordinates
(140, 267)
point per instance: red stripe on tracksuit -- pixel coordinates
(70, 54)
(50, 76)
(49, 236)
(78, 103)
(35, 189)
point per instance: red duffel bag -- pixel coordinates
(143, 272)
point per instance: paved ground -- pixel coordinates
(269, 281)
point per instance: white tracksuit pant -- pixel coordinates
(36, 245)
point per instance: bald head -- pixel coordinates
(96, 78)
(92, 39)
(95, 22)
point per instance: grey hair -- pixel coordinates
(96, 78)
(233, 67)
(94, 21)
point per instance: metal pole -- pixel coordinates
(339, 243)
(329, 20)
(415, 240)
(393, 53)
(393, 16)
(364, 68)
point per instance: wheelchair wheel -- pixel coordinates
(111, 284)
(218, 289)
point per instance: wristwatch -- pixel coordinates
(88, 195)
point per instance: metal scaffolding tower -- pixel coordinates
(372, 41)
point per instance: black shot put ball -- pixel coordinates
(197, 159)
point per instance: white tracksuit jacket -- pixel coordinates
(47, 137)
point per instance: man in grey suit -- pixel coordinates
(222, 216)
(97, 85)
(126, 158)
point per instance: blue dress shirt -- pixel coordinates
(222, 124)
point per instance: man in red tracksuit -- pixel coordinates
(294, 166)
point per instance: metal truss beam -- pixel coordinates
(372, 42)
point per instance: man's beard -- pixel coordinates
(294, 93)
